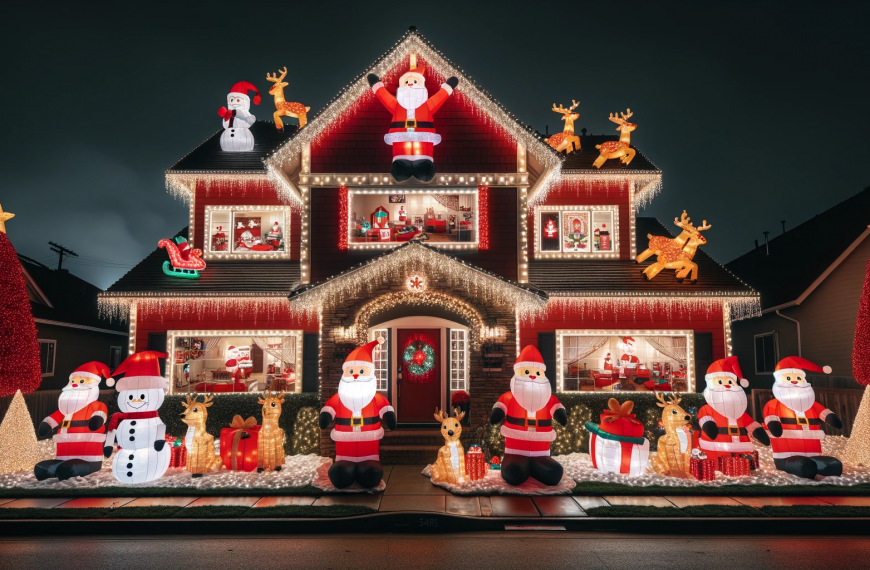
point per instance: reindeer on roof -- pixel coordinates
(566, 140)
(675, 253)
(285, 108)
(620, 149)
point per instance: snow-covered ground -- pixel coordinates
(493, 484)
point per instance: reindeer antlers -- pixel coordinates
(685, 223)
(274, 79)
(673, 400)
(625, 116)
(563, 110)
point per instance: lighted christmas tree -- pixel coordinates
(858, 448)
(19, 349)
(18, 448)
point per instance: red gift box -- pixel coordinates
(238, 453)
(752, 458)
(734, 466)
(475, 463)
(178, 450)
(703, 469)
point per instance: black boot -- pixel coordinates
(77, 468)
(424, 170)
(46, 469)
(828, 466)
(401, 170)
(798, 466)
(546, 470)
(369, 473)
(341, 473)
(515, 469)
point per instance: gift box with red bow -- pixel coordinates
(617, 444)
(239, 444)
(703, 469)
(734, 466)
(178, 451)
(475, 463)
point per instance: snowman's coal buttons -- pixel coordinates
(131, 456)
(129, 473)
(129, 466)
(132, 438)
(133, 423)
(132, 431)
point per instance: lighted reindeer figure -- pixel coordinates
(201, 455)
(675, 253)
(285, 108)
(270, 442)
(675, 447)
(450, 465)
(566, 139)
(620, 149)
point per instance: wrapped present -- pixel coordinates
(178, 450)
(475, 463)
(239, 444)
(752, 458)
(495, 463)
(702, 467)
(617, 444)
(734, 466)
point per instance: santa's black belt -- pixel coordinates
(528, 423)
(732, 431)
(806, 422)
(412, 125)
(365, 421)
(73, 423)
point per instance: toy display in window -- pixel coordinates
(576, 232)
(403, 215)
(275, 237)
(380, 217)
(628, 361)
(219, 240)
(608, 362)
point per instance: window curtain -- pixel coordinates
(210, 343)
(449, 201)
(671, 346)
(286, 354)
(580, 347)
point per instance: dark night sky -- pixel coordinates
(755, 111)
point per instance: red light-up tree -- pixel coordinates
(858, 449)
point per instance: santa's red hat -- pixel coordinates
(627, 340)
(796, 365)
(530, 357)
(362, 356)
(94, 370)
(141, 371)
(726, 367)
(242, 88)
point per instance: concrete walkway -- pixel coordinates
(409, 491)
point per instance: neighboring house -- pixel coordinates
(810, 281)
(69, 329)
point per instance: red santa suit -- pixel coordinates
(73, 438)
(356, 437)
(527, 433)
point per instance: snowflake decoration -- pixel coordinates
(416, 283)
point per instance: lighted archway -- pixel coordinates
(409, 298)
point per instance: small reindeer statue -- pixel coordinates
(270, 444)
(675, 253)
(285, 108)
(566, 140)
(620, 149)
(201, 455)
(450, 465)
(675, 447)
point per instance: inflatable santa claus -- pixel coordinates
(358, 410)
(412, 132)
(80, 426)
(725, 425)
(794, 420)
(528, 411)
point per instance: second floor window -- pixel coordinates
(251, 231)
(576, 231)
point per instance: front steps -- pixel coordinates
(414, 446)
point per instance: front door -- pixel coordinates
(419, 387)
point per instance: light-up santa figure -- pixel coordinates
(358, 410)
(237, 119)
(607, 363)
(412, 131)
(142, 451)
(794, 420)
(528, 411)
(550, 229)
(725, 425)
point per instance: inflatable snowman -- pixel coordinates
(142, 454)
(237, 119)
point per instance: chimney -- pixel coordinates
(783, 225)
(583, 131)
(756, 244)
(766, 246)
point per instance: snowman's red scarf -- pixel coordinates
(117, 418)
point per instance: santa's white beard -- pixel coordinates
(798, 397)
(74, 399)
(730, 402)
(356, 394)
(532, 395)
(411, 97)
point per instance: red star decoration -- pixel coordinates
(415, 283)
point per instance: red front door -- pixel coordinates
(419, 394)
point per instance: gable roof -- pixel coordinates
(805, 253)
(208, 156)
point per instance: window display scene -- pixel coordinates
(576, 231)
(399, 218)
(607, 363)
(248, 230)
(234, 363)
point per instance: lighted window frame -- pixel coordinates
(592, 210)
(458, 359)
(381, 359)
(172, 335)
(212, 211)
(351, 225)
(690, 357)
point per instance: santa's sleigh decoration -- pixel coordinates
(183, 261)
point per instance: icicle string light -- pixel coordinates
(202, 306)
(603, 307)
(182, 185)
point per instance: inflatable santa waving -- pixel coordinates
(412, 132)
(725, 425)
(80, 422)
(528, 411)
(794, 420)
(358, 410)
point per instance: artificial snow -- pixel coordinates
(493, 484)
(579, 467)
